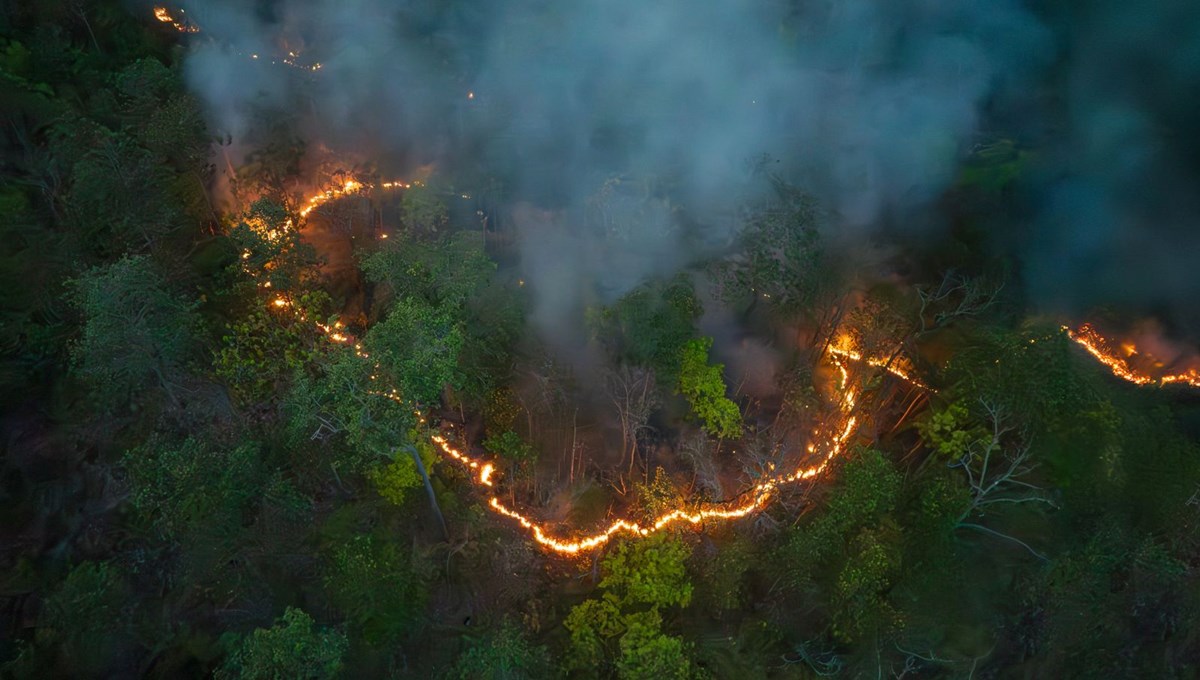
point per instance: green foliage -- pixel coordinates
(943, 500)
(373, 582)
(34, 260)
(651, 571)
(193, 486)
(501, 410)
(270, 344)
(723, 586)
(85, 616)
(121, 197)
(704, 388)
(994, 166)
(443, 272)
(592, 623)
(417, 346)
(342, 401)
(951, 432)
(509, 446)
(493, 324)
(780, 260)
(505, 654)
(650, 324)
(137, 334)
(422, 211)
(1031, 371)
(867, 492)
(647, 653)
(393, 480)
(270, 246)
(859, 603)
(638, 574)
(658, 497)
(292, 648)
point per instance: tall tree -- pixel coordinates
(704, 387)
(138, 334)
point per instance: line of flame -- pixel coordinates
(760, 494)
(484, 472)
(164, 15)
(1097, 346)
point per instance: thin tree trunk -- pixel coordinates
(437, 510)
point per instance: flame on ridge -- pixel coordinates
(1100, 349)
(164, 15)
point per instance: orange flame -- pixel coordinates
(1099, 347)
(760, 494)
(164, 15)
(485, 474)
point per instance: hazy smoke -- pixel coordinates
(870, 103)
(1119, 188)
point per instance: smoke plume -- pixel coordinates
(870, 104)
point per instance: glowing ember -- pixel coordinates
(844, 349)
(759, 495)
(485, 475)
(1099, 347)
(164, 15)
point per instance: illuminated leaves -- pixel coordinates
(418, 345)
(393, 480)
(642, 573)
(704, 387)
(650, 324)
(650, 571)
(269, 345)
(950, 431)
(592, 623)
(292, 648)
(646, 653)
(270, 246)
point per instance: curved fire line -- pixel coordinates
(484, 473)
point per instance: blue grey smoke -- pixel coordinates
(871, 104)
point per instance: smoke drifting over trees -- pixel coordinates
(875, 104)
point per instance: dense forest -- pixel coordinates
(274, 406)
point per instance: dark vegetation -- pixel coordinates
(196, 482)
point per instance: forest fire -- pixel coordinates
(348, 188)
(164, 15)
(760, 494)
(1101, 349)
(485, 474)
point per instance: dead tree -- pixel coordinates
(634, 394)
(698, 448)
(996, 466)
(955, 297)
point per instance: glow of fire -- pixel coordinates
(759, 495)
(844, 349)
(1099, 347)
(164, 15)
(484, 473)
